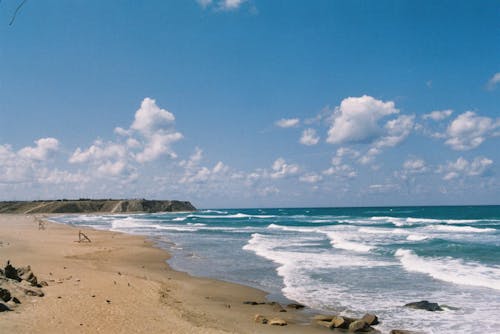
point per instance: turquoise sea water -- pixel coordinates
(348, 260)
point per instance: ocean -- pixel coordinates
(343, 260)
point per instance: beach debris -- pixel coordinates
(25, 273)
(253, 303)
(11, 272)
(296, 306)
(33, 292)
(16, 301)
(4, 308)
(424, 305)
(5, 295)
(108, 301)
(277, 322)
(260, 319)
(403, 331)
(278, 308)
(82, 237)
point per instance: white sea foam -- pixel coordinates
(417, 237)
(409, 221)
(234, 216)
(337, 240)
(451, 270)
(179, 219)
(460, 229)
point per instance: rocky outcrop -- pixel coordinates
(352, 325)
(95, 206)
(17, 282)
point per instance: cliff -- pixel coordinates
(95, 206)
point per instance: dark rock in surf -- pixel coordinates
(424, 305)
(370, 319)
(295, 306)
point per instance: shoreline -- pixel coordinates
(122, 283)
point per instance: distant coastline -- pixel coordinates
(85, 205)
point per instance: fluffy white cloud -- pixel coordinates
(342, 153)
(149, 137)
(194, 173)
(462, 167)
(56, 176)
(98, 152)
(356, 120)
(383, 188)
(311, 178)
(281, 169)
(150, 118)
(231, 4)
(158, 144)
(342, 171)
(438, 115)
(309, 137)
(494, 80)
(469, 130)
(415, 166)
(222, 4)
(396, 131)
(42, 149)
(288, 122)
(204, 3)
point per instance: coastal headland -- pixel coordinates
(95, 206)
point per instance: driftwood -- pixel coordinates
(82, 237)
(41, 223)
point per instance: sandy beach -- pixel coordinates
(120, 283)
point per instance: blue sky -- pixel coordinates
(232, 103)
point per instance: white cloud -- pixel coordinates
(98, 152)
(356, 120)
(225, 5)
(230, 4)
(438, 115)
(311, 178)
(383, 188)
(341, 171)
(158, 144)
(204, 3)
(281, 169)
(480, 166)
(396, 131)
(150, 118)
(468, 131)
(112, 168)
(288, 122)
(267, 191)
(415, 166)
(494, 80)
(194, 173)
(42, 150)
(56, 176)
(411, 168)
(342, 153)
(309, 137)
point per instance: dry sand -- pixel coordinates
(120, 283)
